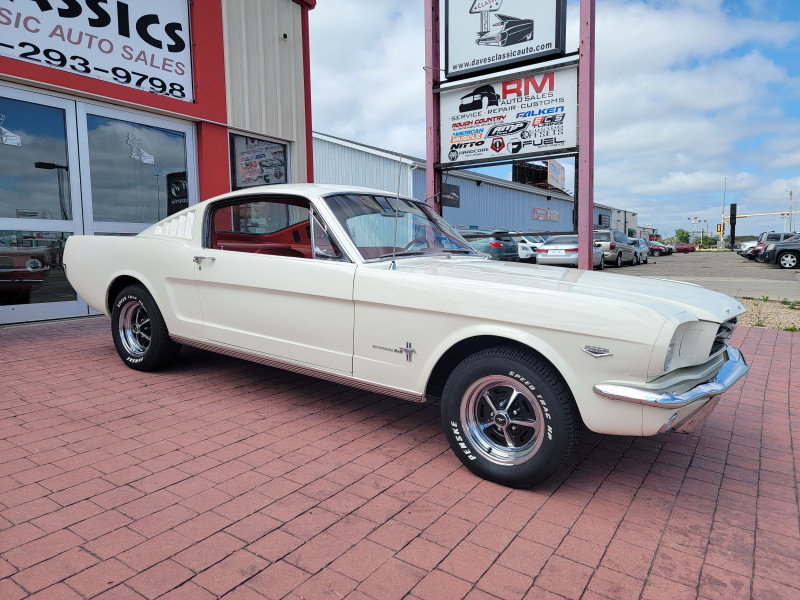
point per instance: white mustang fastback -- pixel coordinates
(376, 291)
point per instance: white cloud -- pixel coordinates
(688, 92)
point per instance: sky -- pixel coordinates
(696, 101)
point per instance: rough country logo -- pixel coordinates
(512, 29)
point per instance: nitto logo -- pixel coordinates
(508, 128)
(498, 144)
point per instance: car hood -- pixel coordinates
(665, 297)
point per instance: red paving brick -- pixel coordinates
(200, 481)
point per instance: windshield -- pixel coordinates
(383, 226)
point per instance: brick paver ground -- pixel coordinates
(222, 478)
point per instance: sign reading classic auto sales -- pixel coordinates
(488, 35)
(143, 44)
(526, 115)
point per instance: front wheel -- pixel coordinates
(788, 260)
(635, 260)
(140, 334)
(509, 417)
(656, 252)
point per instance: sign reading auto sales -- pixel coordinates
(143, 44)
(522, 116)
(489, 35)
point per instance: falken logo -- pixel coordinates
(507, 128)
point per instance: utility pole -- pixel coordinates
(722, 220)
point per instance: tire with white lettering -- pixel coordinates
(509, 416)
(140, 334)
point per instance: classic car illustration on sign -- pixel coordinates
(513, 31)
(373, 290)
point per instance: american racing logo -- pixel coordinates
(507, 128)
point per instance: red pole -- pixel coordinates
(433, 178)
(585, 192)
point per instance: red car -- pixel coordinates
(685, 248)
(22, 270)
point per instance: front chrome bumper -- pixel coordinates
(732, 370)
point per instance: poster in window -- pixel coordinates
(256, 162)
(177, 192)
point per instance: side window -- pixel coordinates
(773, 237)
(275, 226)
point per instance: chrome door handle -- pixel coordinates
(200, 259)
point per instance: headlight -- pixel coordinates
(34, 264)
(771, 246)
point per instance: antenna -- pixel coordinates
(393, 266)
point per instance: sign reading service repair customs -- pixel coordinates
(489, 35)
(521, 116)
(143, 44)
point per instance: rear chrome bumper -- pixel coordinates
(690, 420)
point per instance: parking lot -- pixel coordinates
(223, 478)
(725, 272)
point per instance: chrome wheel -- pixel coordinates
(134, 328)
(502, 419)
(788, 260)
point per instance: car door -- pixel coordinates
(265, 288)
(624, 243)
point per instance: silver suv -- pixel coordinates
(616, 247)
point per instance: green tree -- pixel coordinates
(682, 236)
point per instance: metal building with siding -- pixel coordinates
(485, 201)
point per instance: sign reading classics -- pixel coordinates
(490, 35)
(523, 116)
(142, 44)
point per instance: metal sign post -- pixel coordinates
(585, 192)
(433, 176)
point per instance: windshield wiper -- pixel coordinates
(405, 253)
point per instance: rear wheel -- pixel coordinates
(509, 416)
(618, 261)
(788, 260)
(656, 252)
(140, 334)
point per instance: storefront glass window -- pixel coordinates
(256, 162)
(34, 167)
(31, 270)
(138, 173)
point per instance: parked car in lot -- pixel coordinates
(745, 246)
(527, 244)
(22, 270)
(642, 250)
(361, 287)
(785, 254)
(685, 248)
(657, 248)
(616, 246)
(767, 237)
(562, 251)
(499, 245)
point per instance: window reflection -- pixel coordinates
(34, 168)
(31, 269)
(138, 173)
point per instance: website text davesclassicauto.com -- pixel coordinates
(503, 55)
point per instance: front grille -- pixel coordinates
(723, 335)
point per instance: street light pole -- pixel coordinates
(60, 169)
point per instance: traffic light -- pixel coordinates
(733, 214)
(719, 228)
